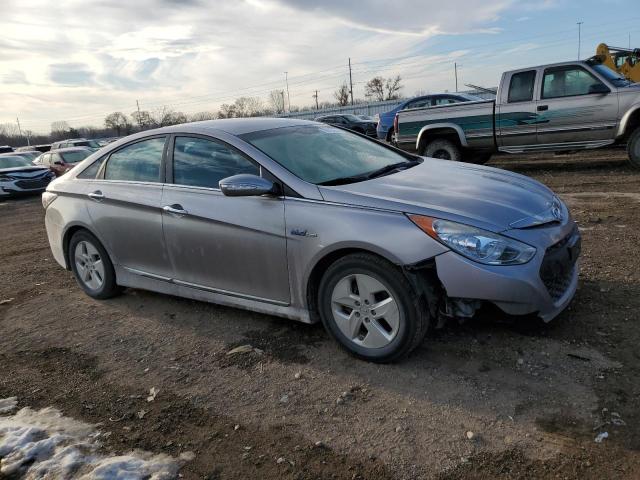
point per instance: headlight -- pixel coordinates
(474, 243)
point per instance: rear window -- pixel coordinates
(75, 157)
(521, 86)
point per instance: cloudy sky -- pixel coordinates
(79, 60)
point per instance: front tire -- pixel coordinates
(633, 148)
(443, 149)
(371, 309)
(92, 266)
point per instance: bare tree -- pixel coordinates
(342, 94)
(374, 89)
(119, 122)
(60, 126)
(393, 87)
(242, 107)
(200, 116)
(165, 116)
(143, 119)
(276, 99)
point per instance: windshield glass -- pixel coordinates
(614, 77)
(75, 157)
(320, 153)
(351, 118)
(13, 162)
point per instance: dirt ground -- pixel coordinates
(534, 396)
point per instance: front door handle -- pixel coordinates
(97, 195)
(175, 209)
(542, 108)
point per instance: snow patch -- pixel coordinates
(8, 404)
(46, 444)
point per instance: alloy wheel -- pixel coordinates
(89, 265)
(365, 311)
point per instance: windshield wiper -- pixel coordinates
(387, 169)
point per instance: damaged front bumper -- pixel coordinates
(544, 286)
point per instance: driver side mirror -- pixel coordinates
(599, 88)
(58, 162)
(247, 185)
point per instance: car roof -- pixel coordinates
(72, 149)
(234, 126)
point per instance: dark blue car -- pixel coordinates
(384, 130)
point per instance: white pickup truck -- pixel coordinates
(564, 106)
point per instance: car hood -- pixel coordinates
(26, 169)
(485, 197)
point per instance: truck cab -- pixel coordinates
(557, 107)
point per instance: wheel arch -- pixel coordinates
(325, 260)
(629, 122)
(66, 238)
(449, 131)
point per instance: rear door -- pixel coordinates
(516, 112)
(124, 205)
(570, 112)
(230, 245)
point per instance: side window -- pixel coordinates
(138, 162)
(421, 102)
(203, 163)
(567, 82)
(444, 101)
(92, 170)
(521, 86)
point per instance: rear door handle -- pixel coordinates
(542, 108)
(97, 195)
(175, 209)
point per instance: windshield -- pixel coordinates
(614, 77)
(351, 118)
(13, 162)
(75, 157)
(320, 153)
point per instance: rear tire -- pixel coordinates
(352, 289)
(443, 149)
(91, 266)
(633, 148)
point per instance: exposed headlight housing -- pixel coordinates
(474, 243)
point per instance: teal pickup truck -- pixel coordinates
(558, 107)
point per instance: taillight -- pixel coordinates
(395, 124)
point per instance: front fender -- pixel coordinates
(624, 121)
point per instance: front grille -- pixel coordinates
(28, 184)
(558, 265)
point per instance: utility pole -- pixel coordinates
(283, 105)
(139, 119)
(316, 97)
(455, 72)
(20, 131)
(579, 36)
(350, 82)
(286, 80)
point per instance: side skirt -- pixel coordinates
(135, 279)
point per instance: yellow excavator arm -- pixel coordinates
(625, 61)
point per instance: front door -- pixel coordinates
(577, 107)
(229, 245)
(124, 205)
(516, 119)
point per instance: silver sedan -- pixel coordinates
(312, 222)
